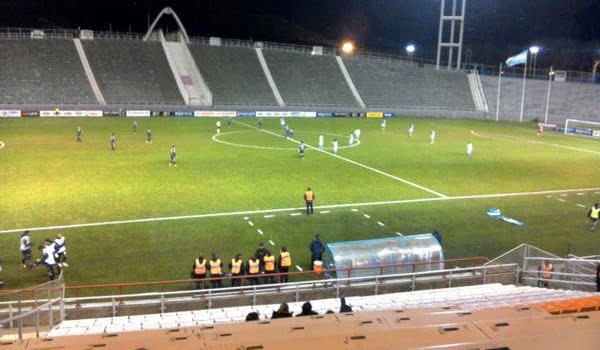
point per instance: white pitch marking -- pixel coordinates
(399, 234)
(511, 138)
(564, 195)
(354, 162)
(580, 194)
(299, 268)
(1, 145)
(295, 214)
(548, 196)
(380, 223)
(246, 218)
(324, 211)
(279, 210)
(581, 205)
(269, 216)
(597, 192)
(259, 231)
(354, 210)
(272, 243)
(367, 216)
(562, 200)
(250, 223)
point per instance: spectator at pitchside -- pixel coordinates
(252, 316)
(282, 312)
(316, 250)
(307, 310)
(260, 255)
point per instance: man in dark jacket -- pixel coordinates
(260, 255)
(307, 310)
(316, 250)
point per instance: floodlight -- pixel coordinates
(347, 47)
(534, 49)
(410, 48)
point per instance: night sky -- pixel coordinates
(567, 30)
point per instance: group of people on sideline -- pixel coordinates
(261, 267)
(258, 268)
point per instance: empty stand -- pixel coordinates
(309, 80)
(467, 298)
(568, 99)
(233, 75)
(42, 72)
(133, 72)
(398, 84)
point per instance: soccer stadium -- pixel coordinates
(165, 190)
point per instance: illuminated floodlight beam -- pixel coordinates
(348, 47)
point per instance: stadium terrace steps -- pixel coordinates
(309, 80)
(233, 75)
(132, 72)
(398, 84)
(42, 72)
(568, 100)
(468, 298)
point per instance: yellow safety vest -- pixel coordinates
(236, 266)
(286, 259)
(200, 268)
(269, 263)
(253, 266)
(595, 214)
(309, 196)
(215, 267)
(547, 271)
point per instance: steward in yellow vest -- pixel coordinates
(309, 197)
(236, 266)
(285, 261)
(546, 273)
(216, 270)
(594, 215)
(253, 270)
(199, 269)
(269, 260)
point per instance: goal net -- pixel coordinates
(582, 128)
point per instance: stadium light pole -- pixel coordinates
(534, 50)
(550, 76)
(410, 49)
(500, 73)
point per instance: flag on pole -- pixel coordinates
(518, 59)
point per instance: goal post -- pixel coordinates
(582, 128)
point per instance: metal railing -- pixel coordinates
(27, 312)
(115, 305)
(160, 286)
(574, 274)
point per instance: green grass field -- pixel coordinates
(48, 179)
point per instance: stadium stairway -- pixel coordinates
(42, 72)
(233, 75)
(460, 298)
(132, 72)
(309, 80)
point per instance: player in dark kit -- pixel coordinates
(113, 142)
(173, 153)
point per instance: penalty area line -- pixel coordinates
(2, 145)
(296, 209)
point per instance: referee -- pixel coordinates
(309, 197)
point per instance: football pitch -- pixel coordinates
(129, 216)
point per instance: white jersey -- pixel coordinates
(432, 137)
(351, 140)
(219, 124)
(411, 129)
(25, 243)
(321, 141)
(357, 134)
(60, 245)
(469, 148)
(383, 122)
(48, 252)
(282, 121)
(335, 147)
(301, 148)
